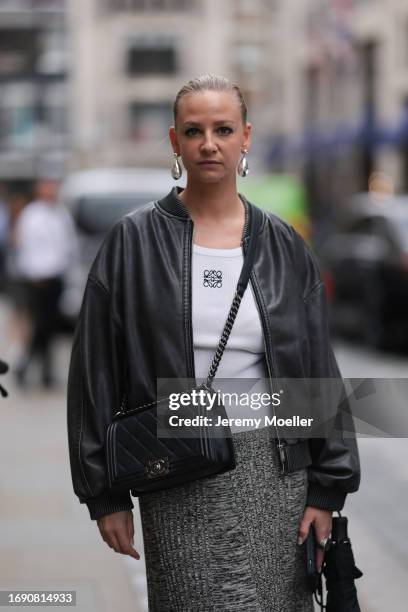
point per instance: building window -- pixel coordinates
(18, 51)
(149, 121)
(32, 117)
(151, 56)
(18, 116)
(32, 52)
(55, 113)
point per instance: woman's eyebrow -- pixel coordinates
(219, 122)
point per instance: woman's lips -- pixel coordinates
(209, 163)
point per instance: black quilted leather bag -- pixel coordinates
(137, 459)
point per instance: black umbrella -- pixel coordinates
(340, 571)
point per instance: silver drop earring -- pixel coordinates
(243, 167)
(176, 170)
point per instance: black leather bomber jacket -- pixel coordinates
(135, 326)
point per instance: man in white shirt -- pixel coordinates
(45, 240)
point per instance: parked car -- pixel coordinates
(365, 267)
(97, 199)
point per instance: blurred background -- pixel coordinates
(86, 94)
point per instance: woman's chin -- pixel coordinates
(209, 177)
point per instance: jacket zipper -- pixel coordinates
(280, 446)
(189, 316)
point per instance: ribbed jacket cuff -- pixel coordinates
(325, 498)
(107, 502)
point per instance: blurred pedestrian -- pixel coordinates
(44, 241)
(155, 304)
(19, 324)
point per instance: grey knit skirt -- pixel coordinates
(229, 542)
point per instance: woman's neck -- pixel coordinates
(212, 201)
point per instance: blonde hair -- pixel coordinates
(210, 82)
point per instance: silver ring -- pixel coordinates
(324, 544)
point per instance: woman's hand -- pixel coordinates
(322, 522)
(117, 531)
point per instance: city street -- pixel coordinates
(49, 542)
(47, 538)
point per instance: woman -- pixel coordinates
(231, 541)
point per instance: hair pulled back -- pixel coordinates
(210, 82)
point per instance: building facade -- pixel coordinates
(344, 113)
(130, 58)
(92, 83)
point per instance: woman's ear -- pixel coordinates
(173, 139)
(247, 136)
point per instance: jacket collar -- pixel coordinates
(174, 205)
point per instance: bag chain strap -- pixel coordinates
(224, 338)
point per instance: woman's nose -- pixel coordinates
(208, 143)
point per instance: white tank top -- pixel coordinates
(215, 274)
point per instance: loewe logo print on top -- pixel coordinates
(212, 278)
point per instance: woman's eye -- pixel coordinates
(224, 127)
(224, 130)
